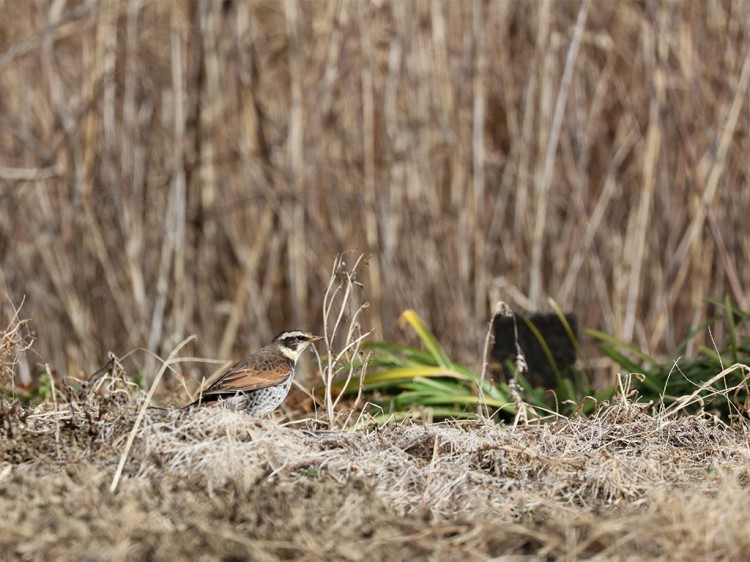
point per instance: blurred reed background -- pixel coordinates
(171, 167)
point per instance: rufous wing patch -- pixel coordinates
(244, 379)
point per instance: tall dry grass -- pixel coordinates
(170, 168)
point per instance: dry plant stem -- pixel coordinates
(535, 282)
(636, 235)
(53, 389)
(171, 185)
(478, 152)
(339, 294)
(351, 348)
(328, 334)
(696, 397)
(297, 243)
(354, 341)
(360, 388)
(489, 340)
(131, 436)
(522, 409)
(14, 342)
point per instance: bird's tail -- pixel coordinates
(202, 400)
(192, 404)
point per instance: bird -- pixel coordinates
(259, 383)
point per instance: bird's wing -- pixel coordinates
(245, 376)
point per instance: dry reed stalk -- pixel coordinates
(545, 180)
(478, 123)
(371, 206)
(296, 228)
(202, 180)
(208, 140)
(635, 238)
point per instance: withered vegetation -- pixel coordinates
(627, 482)
(170, 169)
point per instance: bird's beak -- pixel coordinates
(313, 339)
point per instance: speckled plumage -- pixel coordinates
(259, 382)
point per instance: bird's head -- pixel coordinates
(293, 342)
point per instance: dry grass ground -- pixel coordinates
(213, 484)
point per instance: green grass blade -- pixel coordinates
(582, 377)
(566, 325)
(545, 348)
(412, 372)
(615, 343)
(732, 329)
(428, 339)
